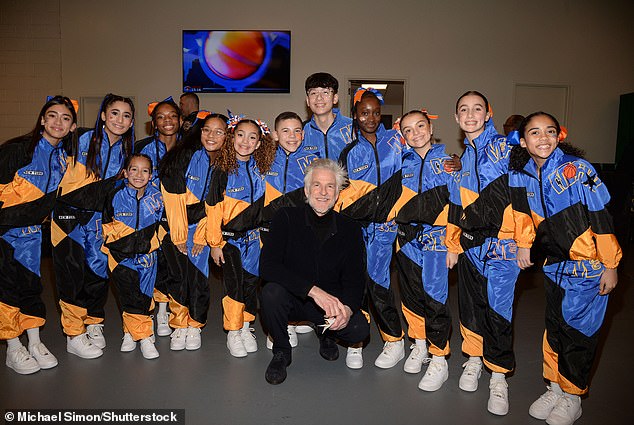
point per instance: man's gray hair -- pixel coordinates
(341, 176)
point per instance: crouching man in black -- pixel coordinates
(313, 266)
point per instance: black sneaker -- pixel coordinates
(276, 372)
(328, 348)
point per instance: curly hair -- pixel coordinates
(520, 156)
(263, 156)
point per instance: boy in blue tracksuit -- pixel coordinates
(327, 128)
(373, 162)
(558, 197)
(285, 179)
(130, 225)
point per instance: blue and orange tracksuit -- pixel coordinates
(566, 202)
(80, 267)
(156, 149)
(487, 270)
(421, 254)
(27, 195)
(285, 181)
(130, 226)
(375, 186)
(336, 138)
(234, 213)
(184, 197)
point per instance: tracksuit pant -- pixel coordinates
(240, 280)
(424, 286)
(134, 279)
(21, 305)
(81, 270)
(574, 315)
(486, 288)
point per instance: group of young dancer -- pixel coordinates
(152, 215)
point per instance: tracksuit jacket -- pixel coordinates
(27, 194)
(421, 216)
(234, 211)
(76, 233)
(130, 228)
(336, 138)
(285, 180)
(154, 148)
(184, 198)
(567, 206)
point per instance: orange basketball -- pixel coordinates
(234, 55)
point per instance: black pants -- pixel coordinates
(278, 307)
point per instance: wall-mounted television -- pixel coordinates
(236, 61)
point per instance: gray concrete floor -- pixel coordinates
(215, 388)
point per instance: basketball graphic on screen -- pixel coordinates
(234, 55)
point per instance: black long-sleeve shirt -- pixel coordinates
(294, 257)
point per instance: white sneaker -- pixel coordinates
(127, 344)
(235, 344)
(95, 333)
(354, 358)
(541, 408)
(470, 375)
(193, 340)
(498, 397)
(162, 324)
(292, 338)
(436, 375)
(178, 339)
(292, 335)
(42, 355)
(393, 352)
(83, 347)
(567, 410)
(303, 329)
(21, 361)
(248, 339)
(414, 362)
(148, 349)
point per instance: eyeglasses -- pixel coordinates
(325, 94)
(213, 132)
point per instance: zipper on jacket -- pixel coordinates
(285, 172)
(250, 181)
(378, 169)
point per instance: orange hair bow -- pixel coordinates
(361, 90)
(201, 115)
(152, 105)
(72, 101)
(563, 133)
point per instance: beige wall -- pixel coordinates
(440, 48)
(30, 62)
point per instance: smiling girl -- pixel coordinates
(487, 270)
(166, 117)
(186, 173)
(373, 162)
(421, 254)
(234, 211)
(31, 168)
(130, 225)
(558, 197)
(95, 163)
